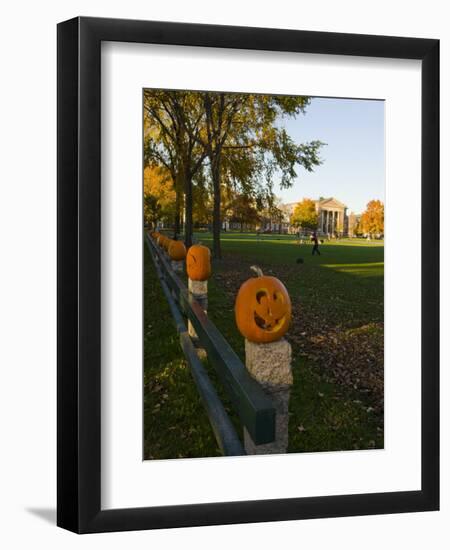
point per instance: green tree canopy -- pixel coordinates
(243, 210)
(239, 139)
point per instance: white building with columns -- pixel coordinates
(332, 216)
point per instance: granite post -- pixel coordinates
(270, 365)
(199, 290)
(177, 265)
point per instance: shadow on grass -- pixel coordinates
(324, 416)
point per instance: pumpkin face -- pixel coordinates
(263, 309)
(198, 263)
(177, 250)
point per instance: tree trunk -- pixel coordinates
(188, 211)
(215, 174)
(177, 227)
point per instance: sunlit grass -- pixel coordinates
(375, 269)
(343, 286)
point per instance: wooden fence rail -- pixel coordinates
(256, 411)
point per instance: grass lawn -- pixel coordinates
(337, 338)
(175, 424)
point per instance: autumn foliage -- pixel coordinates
(159, 195)
(372, 219)
(209, 145)
(305, 215)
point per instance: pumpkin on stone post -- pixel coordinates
(177, 251)
(198, 263)
(263, 314)
(198, 267)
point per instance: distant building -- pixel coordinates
(333, 220)
(353, 221)
(332, 217)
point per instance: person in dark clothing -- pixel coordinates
(315, 241)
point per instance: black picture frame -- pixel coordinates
(79, 280)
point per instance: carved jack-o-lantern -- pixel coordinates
(198, 263)
(177, 250)
(263, 308)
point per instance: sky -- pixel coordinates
(353, 159)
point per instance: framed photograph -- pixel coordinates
(248, 275)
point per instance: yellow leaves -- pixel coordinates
(158, 183)
(305, 214)
(159, 194)
(372, 219)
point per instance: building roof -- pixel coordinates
(331, 201)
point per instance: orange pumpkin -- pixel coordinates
(177, 250)
(167, 244)
(198, 263)
(263, 308)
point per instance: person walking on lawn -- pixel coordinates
(315, 241)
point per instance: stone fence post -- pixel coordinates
(263, 314)
(176, 253)
(198, 267)
(199, 290)
(270, 365)
(177, 265)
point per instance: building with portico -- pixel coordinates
(332, 218)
